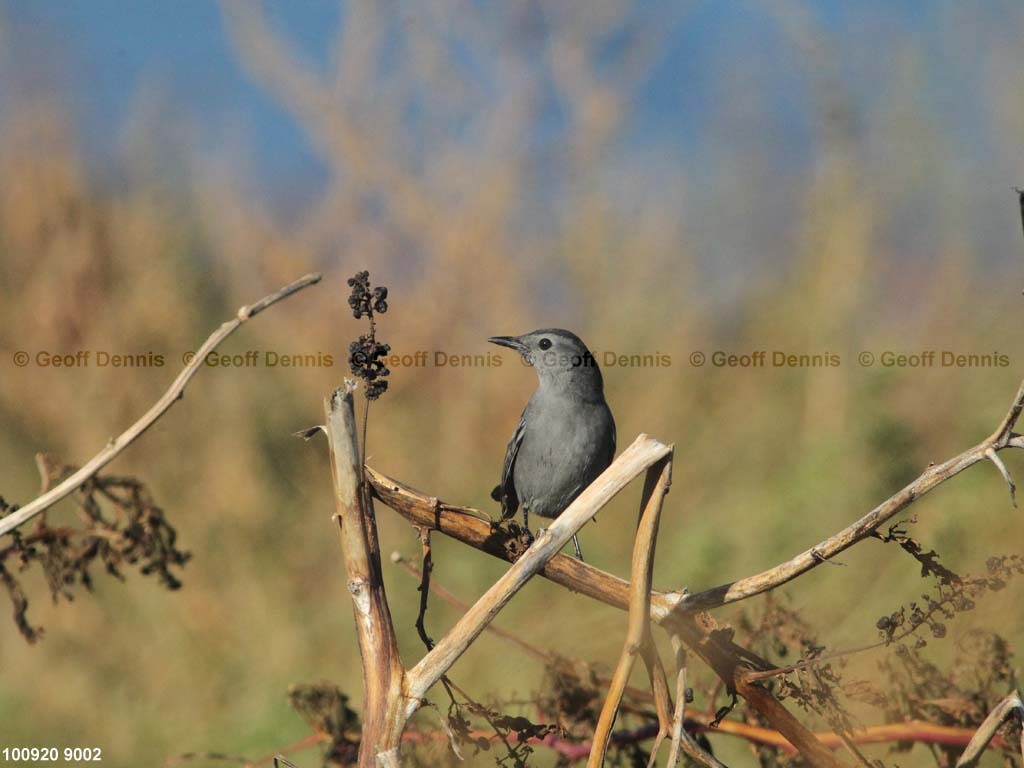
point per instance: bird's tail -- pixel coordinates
(509, 504)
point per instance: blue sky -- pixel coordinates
(101, 52)
(99, 55)
(104, 51)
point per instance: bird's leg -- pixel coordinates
(576, 546)
(526, 522)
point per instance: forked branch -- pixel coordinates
(462, 523)
(174, 393)
(383, 673)
(392, 693)
(675, 611)
(1003, 437)
(643, 453)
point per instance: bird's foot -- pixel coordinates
(575, 542)
(576, 546)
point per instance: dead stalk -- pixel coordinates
(432, 585)
(805, 741)
(677, 731)
(674, 611)
(681, 740)
(459, 523)
(392, 693)
(660, 694)
(659, 477)
(384, 717)
(1011, 706)
(1003, 437)
(643, 453)
(174, 393)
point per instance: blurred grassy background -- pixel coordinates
(488, 166)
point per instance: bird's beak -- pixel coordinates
(512, 342)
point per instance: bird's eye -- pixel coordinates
(545, 344)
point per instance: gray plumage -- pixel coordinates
(566, 435)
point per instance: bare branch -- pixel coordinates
(681, 739)
(462, 605)
(992, 456)
(915, 731)
(936, 474)
(383, 674)
(816, 753)
(643, 453)
(169, 398)
(678, 732)
(656, 485)
(660, 694)
(1011, 706)
(469, 526)
(424, 587)
(457, 522)
(1004, 433)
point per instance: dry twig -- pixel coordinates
(452, 599)
(642, 454)
(659, 692)
(1009, 707)
(392, 693)
(462, 523)
(659, 477)
(934, 475)
(174, 393)
(675, 610)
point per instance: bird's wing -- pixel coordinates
(506, 492)
(610, 454)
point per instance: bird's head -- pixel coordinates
(561, 360)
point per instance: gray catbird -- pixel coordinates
(566, 435)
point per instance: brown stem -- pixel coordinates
(816, 753)
(643, 453)
(424, 587)
(674, 611)
(915, 731)
(465, 525)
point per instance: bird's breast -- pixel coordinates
(566, 445)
